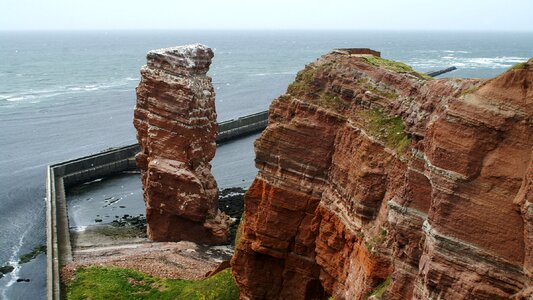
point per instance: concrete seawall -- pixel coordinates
(63, 175)
(229, 130)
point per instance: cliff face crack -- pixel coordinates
(367, 153)
(176, 126)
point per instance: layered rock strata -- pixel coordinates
(377, 181)
(176, 127)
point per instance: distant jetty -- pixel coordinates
(440, 72)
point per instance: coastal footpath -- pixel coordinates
(376, 181)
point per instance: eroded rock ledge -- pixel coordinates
(376, 180)
(176, 126)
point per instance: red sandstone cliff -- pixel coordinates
(375, 180)
(176, 127)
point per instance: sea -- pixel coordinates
(68, 94)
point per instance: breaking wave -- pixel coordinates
(274, 73)
(34, 96)
(13, 261)
(468, 62)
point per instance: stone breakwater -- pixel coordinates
(176, 126)
(375, 180)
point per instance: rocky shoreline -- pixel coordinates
(231, 202)
(123, 243)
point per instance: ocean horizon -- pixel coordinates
(66, 94)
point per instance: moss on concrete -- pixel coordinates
(389, 129)
(119, 283)
(6, 269)
(395, 66)
(33, 254)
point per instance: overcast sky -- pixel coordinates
(272, 14)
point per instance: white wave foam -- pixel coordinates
(93, 181)
(468, 62)
(31, 96)
(274, 73)
(78, 228)
(14, 99)
(86, 88)
(64, 90)
(13, 261)
(456, 51)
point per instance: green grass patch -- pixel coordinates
(304, 85)
(521, 66)
(117, 283)
(395, 66)
(518, 66)
(24, 258)
(330, 100)
(305, 79)
(376, 240)
(284, 97)
(385, 94)
(302, 82)
(297, 87)
(389, 129)
(377, 293)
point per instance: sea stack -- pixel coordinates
(379, 182)
(176, 126)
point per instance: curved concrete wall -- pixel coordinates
(62, 175)
(232, 129)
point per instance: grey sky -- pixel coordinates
(272, 14)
